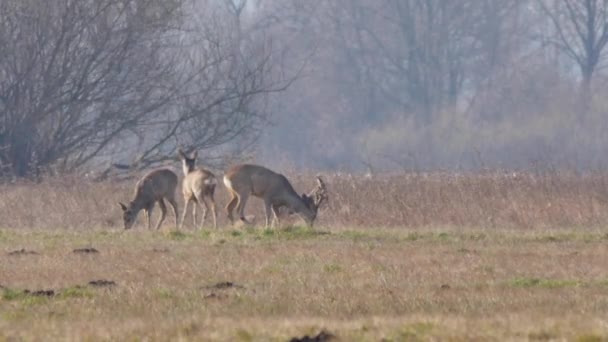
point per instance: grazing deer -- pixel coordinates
(153, 187)
(276, 191)
(198, 186)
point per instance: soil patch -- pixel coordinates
(102, 283)
(223, 285)
(86, 250)
(323, 336)
(22, 251)
(40, 293)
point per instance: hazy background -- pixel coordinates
(441, 84)
(355, 85)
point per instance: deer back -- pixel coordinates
(155, 185)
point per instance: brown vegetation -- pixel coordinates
(482, 200)
(487, 256)
(358, 284)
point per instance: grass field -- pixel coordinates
(465, 258)
(358, 284)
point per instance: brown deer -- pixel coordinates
(198, 186)
(153, 187)
(276, 191)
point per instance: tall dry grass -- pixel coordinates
(489, 199)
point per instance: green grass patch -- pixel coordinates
(268, 232)
(299, 232)
(443, 236)
(563, 237)
(413, 236)
(24, 297)
(543, 283)
(541, 336)
(243, 335)
(332, 268)
(204, 234)
(76, 292)
(165, 293)
(177, 235)
(12, 294)
(591, 338)
(355, 235)
(415, 331)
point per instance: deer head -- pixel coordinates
(317, 196)
(128, 215)
(188, 162)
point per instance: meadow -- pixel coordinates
(396, 257)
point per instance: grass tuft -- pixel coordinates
(12, 294)
(177, 235)
(543, 283)
(76, 292)
(591, 338)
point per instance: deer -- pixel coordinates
(246, 179)
(154, 187)
(198, 186)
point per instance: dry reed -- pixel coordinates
(483, 200)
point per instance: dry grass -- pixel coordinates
(403, 257)
(358, 284)
(487, 200)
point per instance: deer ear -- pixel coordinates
(320, 182)
(122, 206)
(181, 154)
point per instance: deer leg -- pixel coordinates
(203, 203)
(241, 207)
(194, 214)
(163, 213)
(268, 207)
(187, 200)
(148, 211)
(275, 211)
(213, 211)
(175, 209)
(230, 207)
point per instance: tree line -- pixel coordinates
(92, 84)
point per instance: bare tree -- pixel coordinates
(386, 60)
(581, 32)
(93, 81)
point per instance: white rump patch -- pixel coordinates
(227, 182)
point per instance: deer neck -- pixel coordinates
(295, 203)
(138, 202)
(136, 205)
(187, 169)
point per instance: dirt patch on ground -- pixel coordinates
(223, 285)
(217, 290)
(86, 250)
(217, 296)
(40, 293)
(160, 250)
(102, 283)
(323, 336)
(17, 293)
(22, 251)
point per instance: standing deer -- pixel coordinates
(153, 187)
(276, 191)
(198, 186)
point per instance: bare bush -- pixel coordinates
(93, 82)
